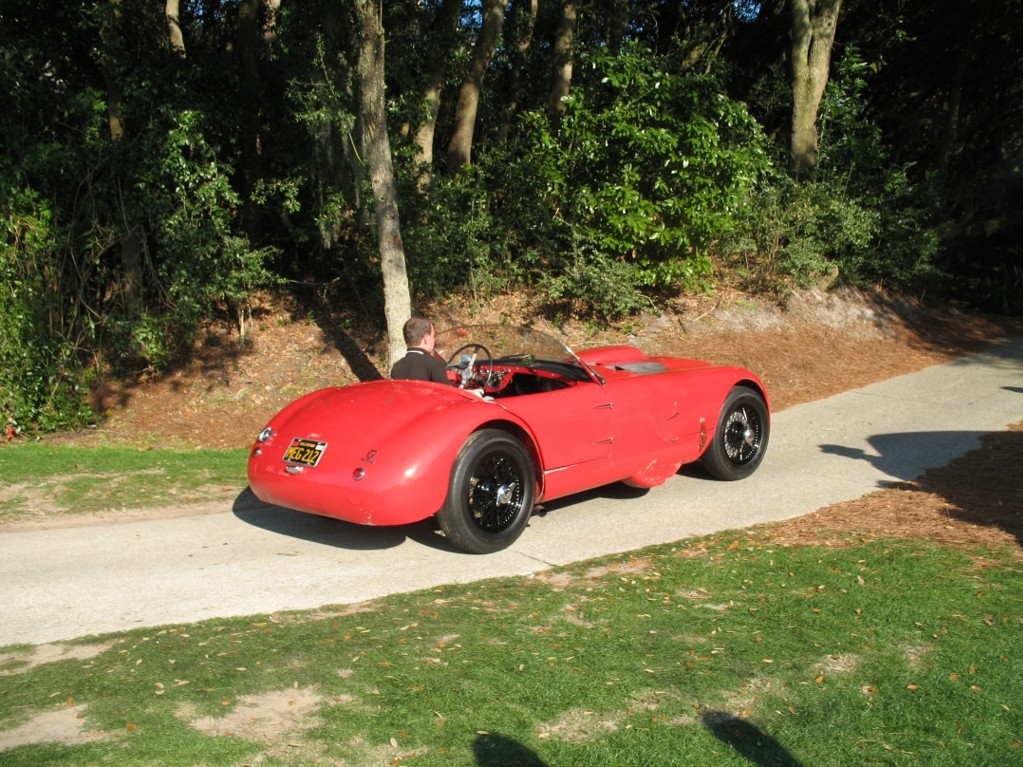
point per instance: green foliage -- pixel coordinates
(646, 171)
(657, 165)
(69, 287)
(200, 260)
(854, 162)
(116, 248)
(858, 218)
(453, 240)
(43, 383)
(593, 284)
(800, 230)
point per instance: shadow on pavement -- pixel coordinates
(904, 455)
(614, 492)
(983, 486)
(333, 532)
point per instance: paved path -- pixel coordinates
(254, 559)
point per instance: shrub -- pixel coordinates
(658, 166)
(624, 199)
(858, 217)
(855, 165)
(43, 383)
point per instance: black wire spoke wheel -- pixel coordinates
(491, 492)
(743, 433)
(496, 490)
(740, 440)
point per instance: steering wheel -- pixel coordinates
(480, 357)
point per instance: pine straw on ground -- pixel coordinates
(976, 502)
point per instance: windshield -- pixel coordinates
(512, 343)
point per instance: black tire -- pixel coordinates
(490, 495)
(740, 439)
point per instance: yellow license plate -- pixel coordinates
(304, 452)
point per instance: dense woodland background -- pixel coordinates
(163, 162)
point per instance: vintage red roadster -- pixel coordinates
(524, 420)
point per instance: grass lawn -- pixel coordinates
(43, 479)
(730, 650)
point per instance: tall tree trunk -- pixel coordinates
(617, 23)
(442, 40)
(377, 153)
(273, 8)
(460, 146)
(248, 40)
(955, 101)
(177, 37)
(523, 24)
(130, 247)
(115, 105)
(812, 36)
(563, 40)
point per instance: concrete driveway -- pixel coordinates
(253, 559)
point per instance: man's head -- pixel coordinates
(418, 331)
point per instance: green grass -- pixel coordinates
(717, 652)
(40, 479)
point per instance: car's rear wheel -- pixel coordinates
(490, 495)
(740, 439)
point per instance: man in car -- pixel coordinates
(420, 363)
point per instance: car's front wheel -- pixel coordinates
(490, 495)
(740, 439)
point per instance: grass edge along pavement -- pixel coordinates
(727, 650)
(43, 481)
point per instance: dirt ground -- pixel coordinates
(808, 346)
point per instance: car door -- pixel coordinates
(572, 427)
(652, 420)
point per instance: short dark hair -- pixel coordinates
(416, 329)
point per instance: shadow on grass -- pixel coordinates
(748, 740)
(494, 750)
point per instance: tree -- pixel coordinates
(563, 60)
(176, 36)
(460, 146)
(377, 154)
(442, 42)
(521, 28)
(248, 40)
(812, 34)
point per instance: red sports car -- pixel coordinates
(525, 420)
